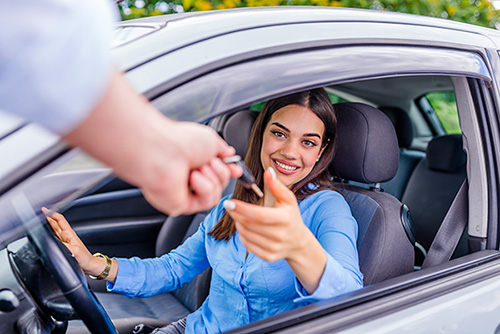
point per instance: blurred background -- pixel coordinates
(480, 12)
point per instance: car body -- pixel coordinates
(200, 67)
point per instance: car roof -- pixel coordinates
(239, 17)
(176, 31)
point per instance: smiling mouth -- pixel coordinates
(290, 168)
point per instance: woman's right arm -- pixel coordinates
(141, 277)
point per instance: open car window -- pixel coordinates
(242, 86)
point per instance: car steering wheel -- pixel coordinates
(67, 275)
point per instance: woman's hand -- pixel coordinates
(271, 233)
(90, 265)
(278, 232)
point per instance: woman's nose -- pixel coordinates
(289, 150)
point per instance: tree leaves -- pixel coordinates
(479, 12)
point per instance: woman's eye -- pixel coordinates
(309, 143)
(278, 134)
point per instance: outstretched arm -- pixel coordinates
(278, 232)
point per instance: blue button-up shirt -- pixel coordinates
(246, 289)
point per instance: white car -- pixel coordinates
(437, 80)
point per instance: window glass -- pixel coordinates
(336, 99)
(258, 106)
(445, 107)
(243, 84)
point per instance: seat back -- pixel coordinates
(173, 232)
(433, 186)
(408, 158)
(367, 152)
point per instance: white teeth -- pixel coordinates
(285, 166)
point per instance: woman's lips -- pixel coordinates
(285, 167)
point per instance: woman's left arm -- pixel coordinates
(278, 232)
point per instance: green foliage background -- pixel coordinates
(480, 12)
(445, 107)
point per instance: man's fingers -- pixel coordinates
(221, 171)
(224, 150)
(235, 171)
(206, 191)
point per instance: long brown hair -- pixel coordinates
(318, 102)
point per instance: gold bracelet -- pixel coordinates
(105, 272)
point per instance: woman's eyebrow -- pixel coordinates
(305, 134)
(279, 125)
(312, 135)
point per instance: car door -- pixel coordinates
(116, 220)
(225, 88)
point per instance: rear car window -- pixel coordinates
(445, 107)
(335, 98)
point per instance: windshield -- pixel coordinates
(53, 187)
(9, 123)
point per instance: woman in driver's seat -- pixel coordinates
(294, 246)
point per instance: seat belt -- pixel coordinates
(450, 231)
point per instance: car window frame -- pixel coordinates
(483, 77)
(328, 66)
(339, 63)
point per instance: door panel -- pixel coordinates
(116, 220)
(460, 296)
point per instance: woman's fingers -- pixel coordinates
(281, 192)
(269, 242)
(61, 227)
(258, 248)
(55, 227)
(53, 223)
(268, 232)
(57, 218)
(240, 210)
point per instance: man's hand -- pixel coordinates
(176, 164)
(195, 179)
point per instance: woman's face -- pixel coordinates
(292, 143)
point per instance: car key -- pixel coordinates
(246, 179)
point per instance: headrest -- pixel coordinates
(402, 124)
(236, 130)
(367, 146)
(446, 153)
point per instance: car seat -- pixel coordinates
(408, 158)
(432, 188)
(367, 152)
